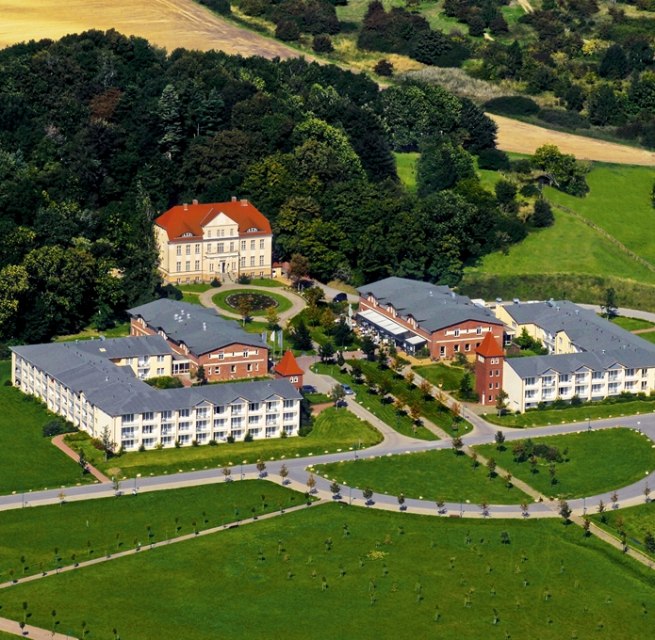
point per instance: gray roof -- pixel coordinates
(587, 331)
(128, 347)
(116, 391)
(199, 328)
(535, 366)
(433, 306)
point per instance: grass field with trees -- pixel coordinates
(333, 430)
(431, 475)
(568, 465)
(634, 522)
(81, 530)
(367, 574)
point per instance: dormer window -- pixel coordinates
(252, 230)
(187, 234)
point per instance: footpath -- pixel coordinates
(58, 441)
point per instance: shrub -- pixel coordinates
(215, 282)
(522, 166)
(230, 439)
(219, 6)
(384, 68)
(322, 44)
(244, 279)
(567, 119)
(212, 443)
(142, 448)
(493, 159)
(288, 31)
(512, 106)
(248, 436)
(170, 291)
(53, 428)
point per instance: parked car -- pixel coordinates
(308, 388)
(340, 297)
(347, 389)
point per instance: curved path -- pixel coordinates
(297, 303)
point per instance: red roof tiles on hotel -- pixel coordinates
(490, 347)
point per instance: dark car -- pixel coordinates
(340, 297)
(308, 388)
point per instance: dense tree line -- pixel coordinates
(99, 133)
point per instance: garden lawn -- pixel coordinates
(431, 475)
(632, 324)
(635, 521)
(29, 461)
(121, 330)
(334, 430)
(443, 376)
(594, 462)
(220, 300)
(82, 530)
(385, 411)
(340, 572)
(596, 411)
(194, 287)
(267, 282)
(191, 298)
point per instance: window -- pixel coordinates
(442, 351)
(253, 419)
(178, 266)
(289, 404)
(179, 250)
(243, 245)
(467, 347)
(187, 266)
(236, 422)
(211, 266)
(261, 243)
(188, 249)
(209, 233)
(233, 368)
(261, 261)
(219, 408)
(249, 367)
(252, 261)
(231, 246)
(478, 330)
(242, 262)
(287, 417)
(253, 406)
(209, 247)
(220, 247)
(197, 265)
(197, 249)
(252, 245)
(183, 413)
(456, 348)
(160, 371)
(456, 333)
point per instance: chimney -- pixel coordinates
(234, 198)
(244, 202)
(186, 206)
(194, 201)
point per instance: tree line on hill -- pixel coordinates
(99, 133)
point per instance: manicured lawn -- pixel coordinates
(442, 375)
(119, 331)
(194, 287)
(220, 300)
(650, 336)
(635, 521)
(340, 572)
(386, 412)
(632, 324)
(29, 461)
(594, 462)
(541, 418)
(431, 475)
(192, 298)
(93, 528)
(267, 282)
(406, 168)
(334, 430)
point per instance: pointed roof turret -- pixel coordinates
(288, 366)
(490, 347)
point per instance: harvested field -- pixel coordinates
(521, 137)
(166, 23)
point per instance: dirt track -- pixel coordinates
(183, 23)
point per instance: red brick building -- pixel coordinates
(414, 315)
(489, 370)
(200, 337)
(289, 369)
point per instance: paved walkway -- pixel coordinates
(297, 302)
(12, 627)
(58, 441)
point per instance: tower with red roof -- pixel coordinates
(489, 359)
(289, 369)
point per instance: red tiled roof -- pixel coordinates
(190, 218)
(490, 347)
(288, 366)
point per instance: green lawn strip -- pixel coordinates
(317, 398)
(121, 330)
(433, 410)
(267, 282)
(29, 461)
(191, 298)
(386, 412)
(442, 375)
(632, 324)
(94, 528)
(194, 287)
(357, 574)
(430, 475)
(406, 168)
(334, 430)
(283, 304)
(635, 521)
(594, 411)
(594, 462)
(650, 336)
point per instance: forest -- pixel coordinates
(99, 133)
